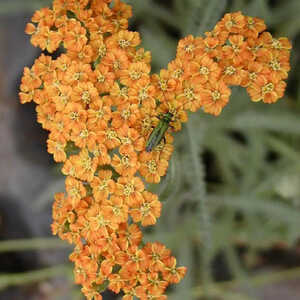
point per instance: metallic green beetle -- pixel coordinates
(159, 131)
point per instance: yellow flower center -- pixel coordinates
(188, 48)
(250, 22)
(87, 163)
(77, 76)
(74, 192)
(84, 133)
(269, 87)
(74, 115)
(128, 189)
(100, 114)
(276, 44)
(235, 48)
(103, 185)
(163, 84)
(124, 43)
(59, 146)
(143, 94)
(125, 114)
(216, 95)
(117, 210)
(135, 75)
(145, 209)
(230, 70)
(116, 65)
(203, 70)
(177, 73)
(252, 76)
(275, 65)
(189, 93)
(152, 166)
(229, 24)
(102, 51)
(111, 134)
(100, 220)
(86, 97)
(124, 92)
(125, 160)
(101, 78)
(125, 140)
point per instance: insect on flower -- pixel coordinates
(159, 131)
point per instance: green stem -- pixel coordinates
(203, 212)
(32, 244)
(256, 281)
(7, 280)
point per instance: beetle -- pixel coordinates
(159, 131)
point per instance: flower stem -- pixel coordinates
(31, 244)
(203, 212)
(7, 280)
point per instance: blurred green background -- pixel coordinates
(231, 196)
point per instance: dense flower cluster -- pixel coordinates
(100, 104)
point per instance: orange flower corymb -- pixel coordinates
(101, 105)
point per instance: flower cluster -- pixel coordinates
(236, 52)
(100, 103)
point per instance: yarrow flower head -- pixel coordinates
(100, 104)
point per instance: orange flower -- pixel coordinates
(254, 70)
(103, 185)
(116, 60)
(153, 283)
(45, 38)
(104, 78)
(190, 96)
(131, 189)
(74, 115)
(187, 48)
(30, 80)
(232, 22)
(130, 136)
(266, 88)
(129, 235)
(277, 63)
(124, 40)
(146, 211)
(85, 93)
(253, 27)
(232, 74)
(164, 83)
(135, 72)
(85, 54)
(62, 97)
(171, 273)
(151, 167)
(108, 137)
(83, 136)
(57, 148)
(215, 96)
(143, 93)
(116, 283)
(204, 69)
(85, 166)
(75, 190)
(156, 253)
(78, 72)
(115, 210)
(100, 153)
(127, 163)
(74, 36)
(236, 50)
